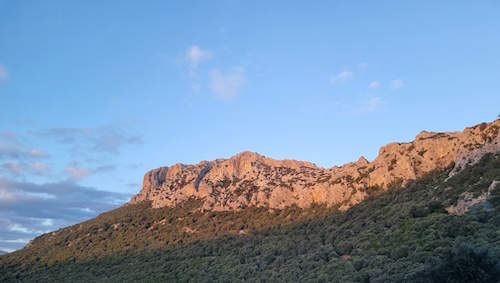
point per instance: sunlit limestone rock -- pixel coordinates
(250, 179)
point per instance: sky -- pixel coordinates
(96, 93)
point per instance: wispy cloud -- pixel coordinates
(36, 152)
(362, 66)
(227, 85)
(101, 139)
(12, 147)
(17, 168)
(374, 85)
(194, 56)
(134, 186)
(17, 159)
(134, 166)
(13, 168)
(397, 84)
(5, 250)
(5, 195)
(16, 227)
(4, 75)
(39, 167)
(341, 77)
(18, 151)
(371, 104)
(29, 209)
(17, 241)
(76, 172)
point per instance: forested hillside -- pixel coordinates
(424, 232)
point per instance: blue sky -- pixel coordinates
(95, 93)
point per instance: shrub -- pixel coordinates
(464, 263)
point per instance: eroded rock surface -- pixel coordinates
(251, 179)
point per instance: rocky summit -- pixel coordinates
(250, 179)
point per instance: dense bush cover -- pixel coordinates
(401, 235)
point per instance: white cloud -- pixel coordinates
(86, 209)
(374, 85)
(16, 241)
(15, 227)
(8, 250)
(47, 222)
(194, 56)
(397, 84)
(227, 85)
(4, 75)
(341, 77)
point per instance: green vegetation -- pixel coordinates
(401, 235)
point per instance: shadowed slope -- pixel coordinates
(403, 234)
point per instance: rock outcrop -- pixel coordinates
(250, 179)
(467, 200)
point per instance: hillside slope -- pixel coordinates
(410, 234)
(421, 211)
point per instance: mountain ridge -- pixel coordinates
(405, 234)
(251, 179)
(441, 225)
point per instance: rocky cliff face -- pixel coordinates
(250, 179)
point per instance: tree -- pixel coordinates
(464, 263)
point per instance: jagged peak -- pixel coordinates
(254, 156)
(362, 161)
(424, 134)
(246, 157)
(246, 154)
